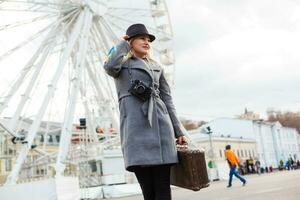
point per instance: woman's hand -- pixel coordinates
(181, 140)
(126, 37)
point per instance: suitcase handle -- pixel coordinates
(189, 141)
(182, 147)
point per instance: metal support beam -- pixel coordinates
(69, 114)
(11, 179)
(15, 119)
(29, 64)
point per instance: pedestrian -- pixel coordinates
(270, 168)
(148, 120)
(292, 163)
(233, 164)
(281, 166)
(287, 165)
(267, 169)
(251, 165)
(257, 165)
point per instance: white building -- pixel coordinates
(273, 141)
(215, 151)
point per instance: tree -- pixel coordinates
(286, 118)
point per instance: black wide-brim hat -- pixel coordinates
(138, 30)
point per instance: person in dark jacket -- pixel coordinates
(148, 120)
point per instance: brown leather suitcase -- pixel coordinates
(190, 172)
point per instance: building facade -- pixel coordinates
(214, 148)
(273, 141)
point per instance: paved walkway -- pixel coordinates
(284, 185)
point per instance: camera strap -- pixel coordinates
(154, 84)
(129, 71)
(148, 66)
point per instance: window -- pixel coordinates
(238, 153)
(242, 153)
(50, 139)
(57, 138)
(93, 166)
(246, 155)
(42, 138)
(8, 165)
(10, 151)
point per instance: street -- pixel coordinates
(283, 185)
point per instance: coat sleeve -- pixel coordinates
(113, 65)
(165, 94)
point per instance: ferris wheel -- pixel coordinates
(51, 57)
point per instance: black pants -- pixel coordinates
(154, 182)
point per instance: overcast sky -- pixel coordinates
(234, 54)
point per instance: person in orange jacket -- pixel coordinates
(233, 164)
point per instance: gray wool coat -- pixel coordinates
(147, 129)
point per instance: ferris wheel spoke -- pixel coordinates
(27, 67)
(133, 9)
(95, 40)
(97, 47)
(114, 24)
(109, 91)
(33, 37)
(44, 4)
(27, 10)
(132, 22)
(25, 42)
(107, 27)
(15, 119)
(34, 127)
(102, 41)
(94, 88)
(104, 38)
(79, 61)
(89, 116)
(35, 7)
(92, 71)
(102, 92)
(137, 13)
(62, 44)
(24, 22)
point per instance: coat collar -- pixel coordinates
(138, 63)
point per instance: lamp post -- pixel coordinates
(211, 152)
(209, 132)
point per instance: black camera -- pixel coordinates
(140, 89)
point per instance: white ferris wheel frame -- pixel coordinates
(79, 25)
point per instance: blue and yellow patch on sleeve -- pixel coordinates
(110, 52)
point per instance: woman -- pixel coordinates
(148, 121)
